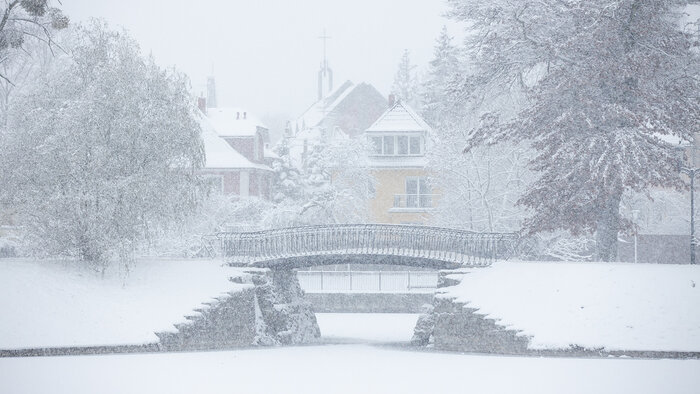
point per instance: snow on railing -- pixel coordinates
(422, 242)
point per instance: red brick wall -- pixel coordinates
(259, 182)
(231, 177)
(244, 146)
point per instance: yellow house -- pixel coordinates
(399, 141)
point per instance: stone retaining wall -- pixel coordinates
(452, 326)
(272, 311)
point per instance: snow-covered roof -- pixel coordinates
(400, 117)
(219, 154)
(234, 122)
(313, 116)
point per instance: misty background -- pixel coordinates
(265, 54)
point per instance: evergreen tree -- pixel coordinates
(287, 183)
(437, 106)
(330, 187)
(405, 85)
(603, 83)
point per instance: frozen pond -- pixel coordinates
(348, 367)
(367, 327)
(343, 369)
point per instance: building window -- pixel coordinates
(418, 193)
(376, 145)
(402, 145)
(415, 146)
(396, 145)
(389, 145)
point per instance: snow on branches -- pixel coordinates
(102, 149)
(606, 84)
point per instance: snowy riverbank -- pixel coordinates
(594, 305)
(56, 304)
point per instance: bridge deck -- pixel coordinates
(414, 245)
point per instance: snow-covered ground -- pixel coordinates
(367, 327)
(615, 306)
(343, 369)
(52, 304)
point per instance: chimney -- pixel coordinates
(392, 100)
(238, 115)
(202, 104)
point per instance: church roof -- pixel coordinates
(234, 122)
(313, 116)
(400, 117)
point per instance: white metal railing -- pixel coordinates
(453, 246)
(414, 201)
(368, 281)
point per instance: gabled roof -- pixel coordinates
(350, 109)
(219, 154)
(234, 122)
(400, 117)
(313, 116)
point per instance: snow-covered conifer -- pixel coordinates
(436, 108)
(604, 84)
(405, 85)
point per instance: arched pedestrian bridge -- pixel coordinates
(366, 244)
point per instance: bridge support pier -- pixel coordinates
(453, 326)
(270, 311)
(283, 315)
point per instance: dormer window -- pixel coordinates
(396, 145)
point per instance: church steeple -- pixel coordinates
(211, 92)
(325, 74)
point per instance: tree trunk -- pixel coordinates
(607, 228)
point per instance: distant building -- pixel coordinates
(344, 113)
(400, 139)
(235, 146)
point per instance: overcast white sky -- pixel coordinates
(266, 53)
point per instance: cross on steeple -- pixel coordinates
(325, 71)
(325, 39)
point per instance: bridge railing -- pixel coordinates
(442, 244)
(368, 281)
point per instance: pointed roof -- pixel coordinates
(313, 116)
(218, 153)
(400, 117)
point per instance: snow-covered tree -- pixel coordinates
(478, 188)
(602, 81)
(330, 187)
(287, 183)
(437, 107)
(23, 20)
(102, 150)
(405, 85)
